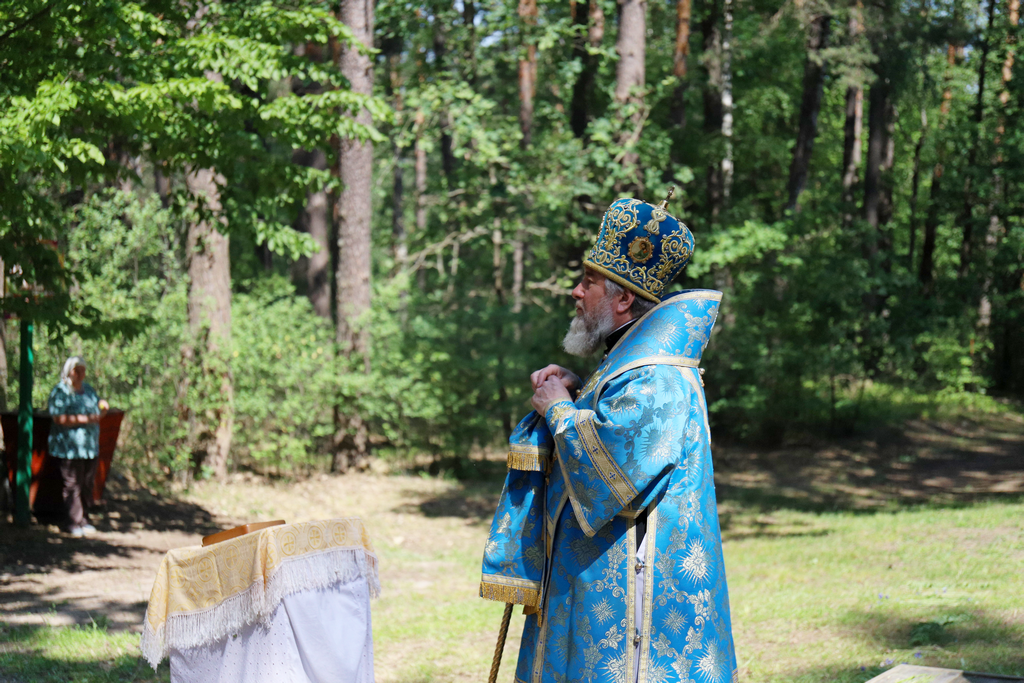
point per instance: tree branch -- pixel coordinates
(14, 29)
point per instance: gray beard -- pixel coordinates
(587, 332)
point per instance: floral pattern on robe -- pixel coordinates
(636, 438)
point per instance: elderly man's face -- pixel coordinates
(595, 318)
(590, 293)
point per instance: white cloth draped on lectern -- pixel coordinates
(288, 603)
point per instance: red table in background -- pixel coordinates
(45, 495)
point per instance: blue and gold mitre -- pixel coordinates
(641, 247)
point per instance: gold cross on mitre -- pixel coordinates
(664, 202)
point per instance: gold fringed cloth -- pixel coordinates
(204, 594)
(513, 563)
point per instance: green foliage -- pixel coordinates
(284, 377)
(828, 323)
(91, 89)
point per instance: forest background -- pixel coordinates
(292, 236)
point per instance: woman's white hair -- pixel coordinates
(69, 365)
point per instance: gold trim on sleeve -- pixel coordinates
(650, 555)
(576, 507)
(526, 457)
(611, 474)
(510, 589)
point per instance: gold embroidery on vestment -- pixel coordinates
(650, 556)
(678, 361)
(631, 625)
(527, 458)
(611, 474)
(576, 507)
(510, 589)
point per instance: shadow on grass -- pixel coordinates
(464, 469)
(473, 501)
(79, 655)
(949, 636)
(971, 641)
(937, 464)
(41, 548)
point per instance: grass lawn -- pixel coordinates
(842, 596)
(821, 590)
(78, 654)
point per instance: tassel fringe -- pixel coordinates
(527, 459)
(306, 572)
(502, 593)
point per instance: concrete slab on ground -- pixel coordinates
(907, 673)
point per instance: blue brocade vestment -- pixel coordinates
(563, 541)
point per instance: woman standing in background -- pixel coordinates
(75, 440)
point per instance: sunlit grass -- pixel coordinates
(847, 594)
(816, 597)
(77, 654)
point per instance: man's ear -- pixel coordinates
(625, 301)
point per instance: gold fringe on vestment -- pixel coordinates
(514, 594)
(526, 458)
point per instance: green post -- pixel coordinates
(23, 476)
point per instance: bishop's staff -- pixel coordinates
(499, 647)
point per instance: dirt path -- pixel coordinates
(48, 577)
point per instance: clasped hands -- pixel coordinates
(551, 385)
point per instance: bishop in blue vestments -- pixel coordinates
(607, 528)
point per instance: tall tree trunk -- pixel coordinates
(315, 219)
(440, 59)
(420, 171)
(498, 263)
(852, 131)
(931, 224)
(584, 50)
(712, 97)
(995, 227)
(727, 161)
(518, 256)
(630, 79)
(3, 344)
(469, 20)
(398, 236)
(915, 185)
(677, 108)
(1013, 21)
(527, 71)
(162, 185)
(354, 213)
(875, 211)
(209, 318)
(967, 214)
(854, 125)
(420, 188)
(877, 161)
(400, 244)
(810, 106)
